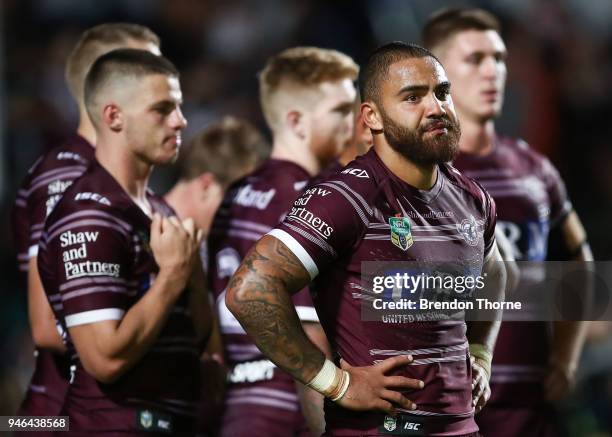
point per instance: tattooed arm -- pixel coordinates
(259, 296)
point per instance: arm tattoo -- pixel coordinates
(259, 295)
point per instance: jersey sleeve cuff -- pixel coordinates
(297, 250)
(307, 314)
(94, 316)
(33, 251)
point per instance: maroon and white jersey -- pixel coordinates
(43, 186)
(340, 223)
(95, 263)
(252, 207)
(531, 199)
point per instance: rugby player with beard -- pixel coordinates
(398, 202)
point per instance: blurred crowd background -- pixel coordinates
(559, 99)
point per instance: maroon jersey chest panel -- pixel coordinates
(96, 263)
(344, 221)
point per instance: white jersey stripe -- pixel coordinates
(94, 316)
(87, 222)
(355, 193)
(297, 250)
(356, 207)
(90, 212)
(422, 351)
(263, 391)
(258, 400)
(91, 290)
(307, 314)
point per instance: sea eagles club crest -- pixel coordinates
(401, 235)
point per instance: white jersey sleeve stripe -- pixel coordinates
(307, 314)
(33, 251)
(94, 316)
(297, 250)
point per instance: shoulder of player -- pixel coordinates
(472, 187)
(265, 189)
(358, 175)
(525, 151)
(61, 162)
(355, 186)
(85, 196)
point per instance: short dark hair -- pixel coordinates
(228, 149)
(96, 41)
(444, 24)
(119, 64)
(377, 66)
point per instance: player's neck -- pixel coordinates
(422, 177)
(287, 150)
(128, 170)
(179, 199)
(86, 129)
(350, 152)
(477, 137)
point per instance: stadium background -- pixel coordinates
(559, 99)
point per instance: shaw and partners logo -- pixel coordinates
(302, 215)
(75, 245)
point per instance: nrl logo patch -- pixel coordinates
(468, 228)
(390, 423)
(401, 234)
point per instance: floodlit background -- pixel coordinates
(559, 99)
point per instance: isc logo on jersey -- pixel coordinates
(360, 173)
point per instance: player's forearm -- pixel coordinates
(259, 296)
(41, 317)
(200, 305)
(311, 401)
(485, 332)
(568, 340)
(142, 324)
(569, 336)
(311, 404)
(214, 346)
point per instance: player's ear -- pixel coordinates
(296, 122)
(112, 116)
(371, 116)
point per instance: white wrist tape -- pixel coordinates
(325, 380)
(346, 379)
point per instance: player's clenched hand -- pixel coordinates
(175, 245)
(481, 392)
(371, 389)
